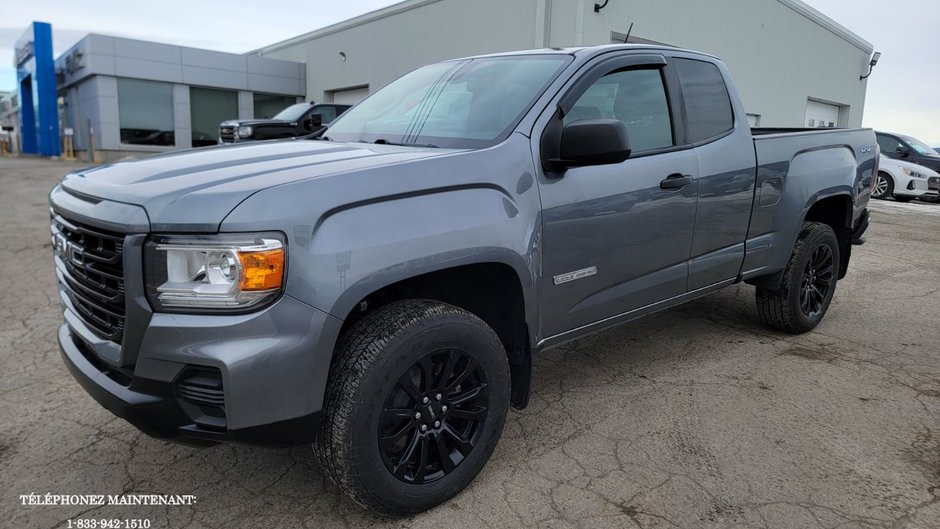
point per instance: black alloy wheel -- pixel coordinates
(800, 301)
(433, 416)
(817, 280)
(415, 403)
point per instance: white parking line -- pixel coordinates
(915, 208)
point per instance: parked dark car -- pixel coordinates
(296, 120)
(909, 149)
(380, 291)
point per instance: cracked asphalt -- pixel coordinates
(696, 417)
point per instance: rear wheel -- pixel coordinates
(415, 404)
(884, 186)
(809, 282)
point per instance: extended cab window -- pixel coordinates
(707, 103)
(636, 97)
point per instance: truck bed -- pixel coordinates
(797, 168)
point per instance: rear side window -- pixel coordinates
(707, 103)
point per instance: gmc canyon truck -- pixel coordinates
(379, 291)
(296, 120)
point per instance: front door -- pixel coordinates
(614, 239)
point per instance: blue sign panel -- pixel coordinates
(35, 71)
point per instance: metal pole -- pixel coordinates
(92, 156)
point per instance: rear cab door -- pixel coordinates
(716, 125)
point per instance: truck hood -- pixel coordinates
(194, 190)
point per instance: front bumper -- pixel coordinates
(933, 186)
(915, 187)
(272, 367)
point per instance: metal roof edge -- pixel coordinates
(838, 29)
(394, 9)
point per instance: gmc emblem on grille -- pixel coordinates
(69, 250)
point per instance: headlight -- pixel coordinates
(228, 272)
(912, 174)
(244, 132)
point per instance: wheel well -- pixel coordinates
(491, 291)
(836, 212)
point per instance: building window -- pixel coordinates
(267, 105)
(208, 108)
(145, 112)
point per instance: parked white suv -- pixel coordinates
(904, 181)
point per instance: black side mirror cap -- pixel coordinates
(593, 142)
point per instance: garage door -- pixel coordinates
(821, 114)
(350, 97)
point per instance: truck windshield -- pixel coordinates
(920, 147)
(293, 112)
(459, 104)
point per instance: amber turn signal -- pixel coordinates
(262, 270)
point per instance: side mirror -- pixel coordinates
(903, 151)
(593, 142)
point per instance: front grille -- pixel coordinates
(227, 134)
(933, 183)
(90, 265)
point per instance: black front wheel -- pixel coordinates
(415, 404)
(809, 282)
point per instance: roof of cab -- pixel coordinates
(584, 51)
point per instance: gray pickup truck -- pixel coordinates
(379, 291)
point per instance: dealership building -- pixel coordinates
(794, 66)
(131, 95)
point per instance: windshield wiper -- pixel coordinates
(383, 141)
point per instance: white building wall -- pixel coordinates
(779, 56)
(380, 50)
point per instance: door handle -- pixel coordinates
(676, 181)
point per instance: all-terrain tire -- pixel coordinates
(783, 309)
(372, 359)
